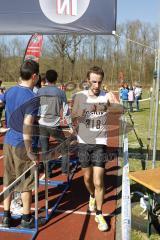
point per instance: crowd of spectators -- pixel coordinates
(129, 95)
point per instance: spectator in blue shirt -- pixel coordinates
(124, 96)
(17, 147)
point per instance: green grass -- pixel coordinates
(69, 94)
(141, 124)
(8, 84)
(137, 235)
(141, 223)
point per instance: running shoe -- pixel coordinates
(16, 204)
(6, 222)
(92, 204)
(102, 224)
(28, 224)
(31, 223)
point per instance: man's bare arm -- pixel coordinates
(27, 136)
(1, 103)
(77, 110)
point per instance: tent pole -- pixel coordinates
(152, 100)
(157, 107)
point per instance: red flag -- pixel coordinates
(34, 47)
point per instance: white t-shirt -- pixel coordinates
(93, 127)
(137, 91)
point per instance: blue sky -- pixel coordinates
(145, 10)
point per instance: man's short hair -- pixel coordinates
(51, 76)
(28, 68)
(97, 70)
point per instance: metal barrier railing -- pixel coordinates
(11, 188)
(34, 168)
(66, 184)
(17, 182)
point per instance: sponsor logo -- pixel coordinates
(64, 11)
(35, 39)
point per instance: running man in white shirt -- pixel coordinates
(90, 108)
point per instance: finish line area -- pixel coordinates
(70, 217)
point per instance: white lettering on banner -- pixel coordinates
(74, 7)
(63, 7)
(68, 7)
(64, 11)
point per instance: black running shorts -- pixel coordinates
(92, 155)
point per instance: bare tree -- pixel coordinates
(60, 45)
(72, 50)
(72, 55)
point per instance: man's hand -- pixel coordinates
(4, 130)
(33, 157)
(71, 131)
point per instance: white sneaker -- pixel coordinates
(16, 208)
(16, 204)
(102, 225)
(92, 204)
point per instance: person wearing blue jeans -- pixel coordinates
(124, 96)
(137, 98)
(138, 95)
